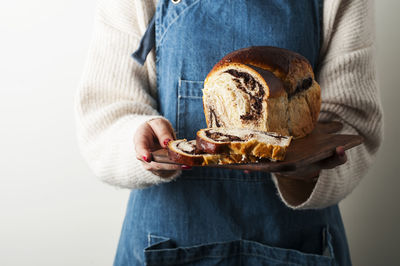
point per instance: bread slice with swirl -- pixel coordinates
(184, 152)
(228, 146)
(262, 88)
(250, 143)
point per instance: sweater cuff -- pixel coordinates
(307, 195)
(113, 159)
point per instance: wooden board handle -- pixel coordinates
(161, 156)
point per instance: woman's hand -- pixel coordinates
(310, 172)
(152, 136)
(297, 186)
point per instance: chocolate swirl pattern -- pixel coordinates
(262, 88)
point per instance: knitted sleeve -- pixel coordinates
(116, 95)
(349, 94)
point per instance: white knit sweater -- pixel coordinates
(117, 95)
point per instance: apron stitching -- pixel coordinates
(179, 110)
(249, 179)
(184, 261)
(175, 19)
(190, 97)
(193, 81)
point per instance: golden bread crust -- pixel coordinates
(251, 147)
(287, 65)
(181, 157)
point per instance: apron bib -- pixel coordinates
(218, 216)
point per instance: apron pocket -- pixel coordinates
(190, 109)
(238, 252)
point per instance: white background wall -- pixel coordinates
(52, 209)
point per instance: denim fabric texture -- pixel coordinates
(215, 216)
(146, 44)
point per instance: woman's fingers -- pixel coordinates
(142, 146)
(154, 166)
(150, 136)
(143, 140)
(313, 169)
(163, 169)
(337, 159)
(153, 135)
(162, 131)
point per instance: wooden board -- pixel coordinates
(319, 145)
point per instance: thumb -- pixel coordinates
(142, 147)
(162, 130)
(144, 141)
(337, 159)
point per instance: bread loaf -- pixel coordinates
(253, 99)
(262, 88)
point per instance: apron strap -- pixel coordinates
(146, 43)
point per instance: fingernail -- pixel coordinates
(146, 159)
(166, 142)
(340, 152)
(186, 167)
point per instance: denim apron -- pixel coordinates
(215, 216)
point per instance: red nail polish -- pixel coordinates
(146, 159)
(166, 142)
(186, 167)
(340, 152)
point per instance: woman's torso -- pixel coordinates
(210, 216)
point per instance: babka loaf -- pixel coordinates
(262, 88)
(250, 143)
(255, 99)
